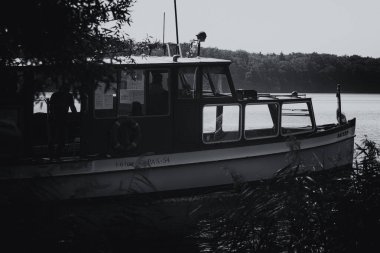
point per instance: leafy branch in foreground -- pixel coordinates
(61, 32)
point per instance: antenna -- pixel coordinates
(176, 24)
(163, 31)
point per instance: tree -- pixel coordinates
(62, 31)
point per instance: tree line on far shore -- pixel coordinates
(301, 72)
(71, 32)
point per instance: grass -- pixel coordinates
(333, 211)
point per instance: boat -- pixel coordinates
(199, 132)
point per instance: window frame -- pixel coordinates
(115, 116)
(146, 72)
(240, 123)
(118, 114)
(278, 122)
(311, 116)
(197, 76)
(228, 79)
(164, 70)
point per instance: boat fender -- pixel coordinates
(125, 136)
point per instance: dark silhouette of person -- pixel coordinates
(59, 105)
(158, 96)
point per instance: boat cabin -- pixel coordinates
(176, 105)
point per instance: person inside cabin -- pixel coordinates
(158, 96)
(59, 105)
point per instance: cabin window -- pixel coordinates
(187, 82)
(105, 99)
(41, 99)
(132, 93)
(261, 121)
(47, 85)
(295, 118)
(144, 92)
(221, 123)
(215, 82)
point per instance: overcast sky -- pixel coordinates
(342, 27)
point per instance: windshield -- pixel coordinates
(215, 82)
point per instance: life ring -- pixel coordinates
(125, 136)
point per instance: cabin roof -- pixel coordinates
(142, 60)
(159, 60)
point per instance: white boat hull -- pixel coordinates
(177, 171)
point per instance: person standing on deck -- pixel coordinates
(59, 105)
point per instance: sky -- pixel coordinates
(341, 27)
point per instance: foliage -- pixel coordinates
(302, 72)
(55, 31)
(334, 211)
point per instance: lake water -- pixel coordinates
(364, 107)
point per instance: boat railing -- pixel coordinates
(250, 94)
(277, 96)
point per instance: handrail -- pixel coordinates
(302, 95)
